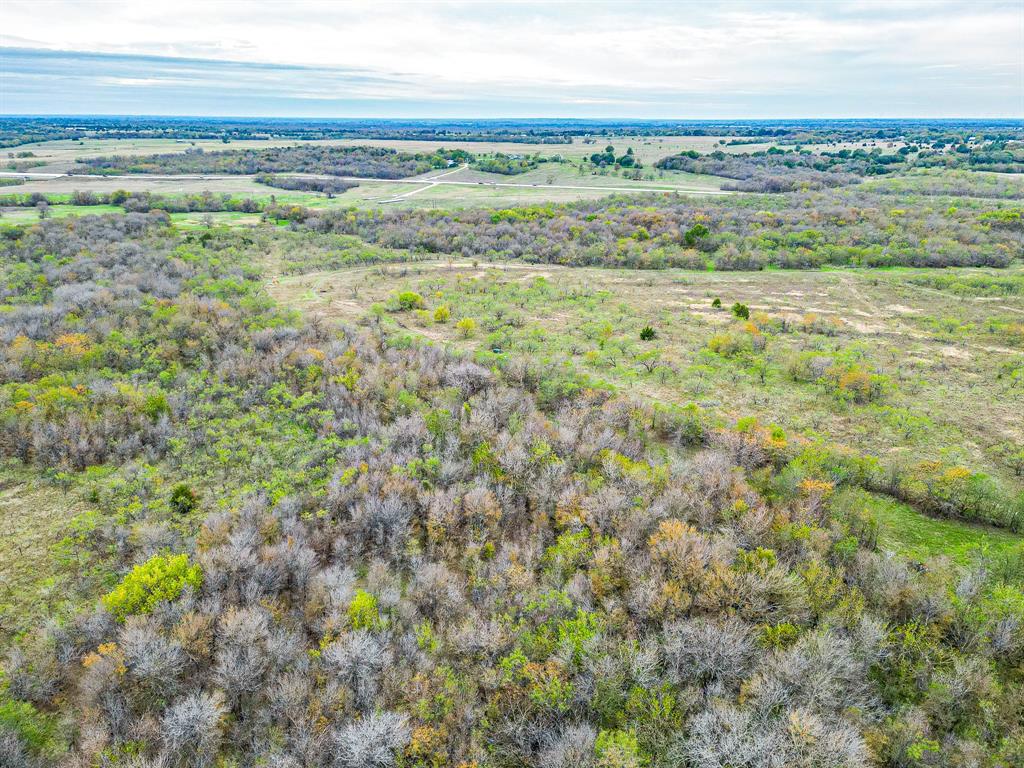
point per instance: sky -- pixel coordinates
(671, 60)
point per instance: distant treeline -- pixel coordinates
(22, 130)
(801, 231)
(369, 162)
(788, 170)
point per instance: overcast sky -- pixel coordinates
(741, 59)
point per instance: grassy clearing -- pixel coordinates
(911, 533)
(27, 215)
(34, 517)
(943, 375)
(188, 220)
(202, 220)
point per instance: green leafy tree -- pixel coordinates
(162, 577)
(410, 300)
(363, 612)
(183, 499)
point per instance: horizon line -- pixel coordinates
(113, 115)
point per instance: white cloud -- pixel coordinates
(576, 51)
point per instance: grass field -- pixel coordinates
(949, 366)
(36, 517)
(919, 536)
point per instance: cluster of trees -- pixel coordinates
(330, 187)
(509, 165)
(844, 227)
(384, 555)
(608, 158)
(771, 171)
(788, 170)
(998, 156)
(370, 162)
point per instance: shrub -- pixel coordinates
(442, 314)
(856, 384)
(648, 334)
(728, 344)
(716, 304)
(162, 577)
(618, 749)
(156, 405)
(780, 635)
(466, 327)
(37, 731)
(410, 300)
(371, 742)
(741, 310)
(695, 233)
(363, 612)
(183, 499)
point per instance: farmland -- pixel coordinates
(61, 157)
